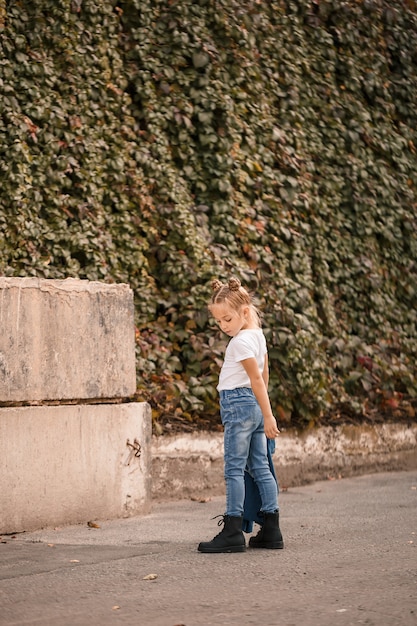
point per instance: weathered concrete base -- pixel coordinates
(71, 464)
(192, 465)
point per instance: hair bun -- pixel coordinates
(216, 284)
(234, 284)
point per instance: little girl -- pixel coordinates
(247, 417)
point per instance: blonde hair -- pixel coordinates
(235, 296)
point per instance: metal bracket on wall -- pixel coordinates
(135, 446)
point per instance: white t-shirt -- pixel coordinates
(245, 345)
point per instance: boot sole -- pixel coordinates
(223, 550)
(268, 546)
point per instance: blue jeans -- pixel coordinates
(245, 447)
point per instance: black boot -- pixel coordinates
(230, 539)
(269, 535)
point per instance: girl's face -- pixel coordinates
(230, 320)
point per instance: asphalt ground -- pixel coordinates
(350, 557)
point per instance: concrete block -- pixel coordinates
(71, 464)
(65, 340)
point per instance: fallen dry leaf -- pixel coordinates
(92, 525)
(202, 500)
(150, 577)
(115, 607)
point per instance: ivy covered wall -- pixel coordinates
(163, 144)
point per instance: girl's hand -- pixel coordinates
(271, 427)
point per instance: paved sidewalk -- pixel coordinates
(350, 557)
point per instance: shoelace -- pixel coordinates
(221, 521)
